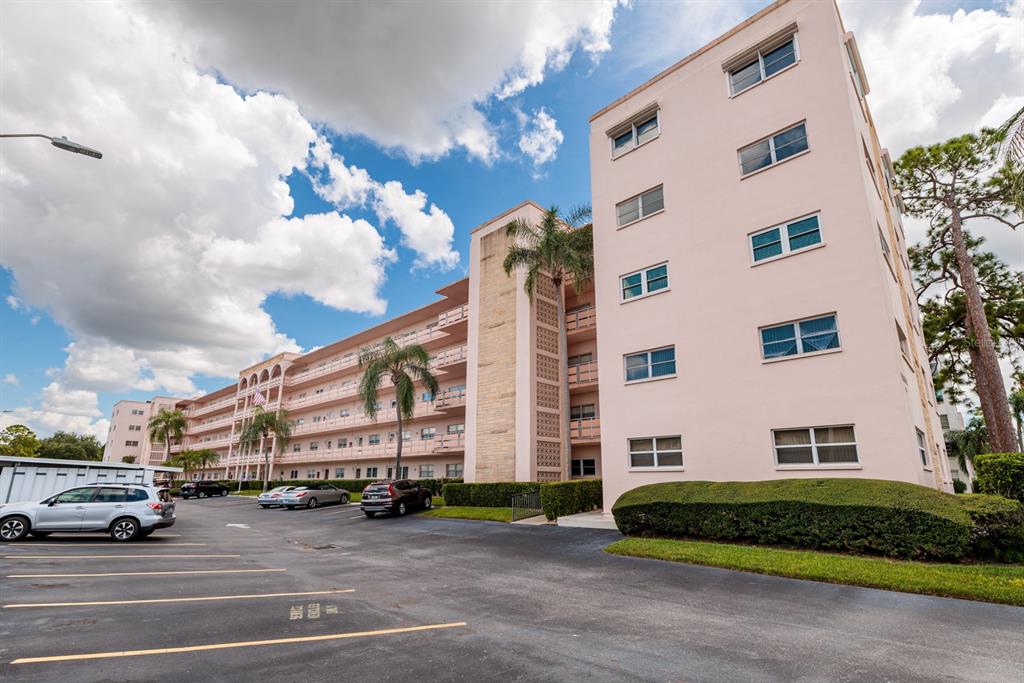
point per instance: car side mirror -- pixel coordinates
(51, 502)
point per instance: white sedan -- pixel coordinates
(273, 496)
(314, 495)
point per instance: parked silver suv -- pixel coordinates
(126, 511)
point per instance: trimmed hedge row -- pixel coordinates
(556, 498)
(871, 516)
(1001, 474)
(569, 497)
(493, 495)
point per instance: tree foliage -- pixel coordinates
(70, 446)
(167, 426)
(969, 442)
(966, 178)
(19, 441)
(261, 427)
(559, 246)
(943, 307)
(404, 367)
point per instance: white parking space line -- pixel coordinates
(250, 643)
(154, 601)
(110, 557)
(71, 544)
(165, 573)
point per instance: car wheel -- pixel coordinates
(428, 503)
(40, 534)
(401, 509)
(312, 503)
(201, 494)
(13, 528)
(371, 515)
(264, 506)
(224, 492)
(124, 530)
(343, 501)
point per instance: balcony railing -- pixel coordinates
(263, 386)
(197, 444)
(581, 319)
(451, 357)
(212, 424)
(584, 373)
(414, 448)
(210, 407)
(450, 399)
(585, 429)
(453, 315)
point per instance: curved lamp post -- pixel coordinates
(61, 143)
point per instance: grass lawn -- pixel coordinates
(1002, 583)
(464, 512)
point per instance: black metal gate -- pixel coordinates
(526, 505)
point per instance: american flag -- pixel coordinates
(259, 399)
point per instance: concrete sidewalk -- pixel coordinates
(595, 519)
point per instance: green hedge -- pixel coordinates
(889, 518)
(1001, 474)
(493, 495)
(569, 497)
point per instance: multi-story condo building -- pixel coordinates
(128, 435)
(751, 281)
(756, 307)
(331, 437)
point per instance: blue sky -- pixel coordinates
(50, 388)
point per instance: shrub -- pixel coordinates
(998, 526)
(569, 497)
(497, 494)
(889, 518)
(959, 486)
(1001, 474)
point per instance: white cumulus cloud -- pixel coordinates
(11, 378)
(428, 231)
(541, 138)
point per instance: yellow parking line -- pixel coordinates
(152, 601)
(107, 557)
(190, 571)
(226, 646)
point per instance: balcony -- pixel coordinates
(263, 386)
(210, 407)
(452, 317)
(583, 376)
(585, 430)
(197, 444)
(201, 427)
(343, 363)
(581, 324)
(450, 400)
(451, 360)
(444, 445)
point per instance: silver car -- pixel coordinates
(273, 496)
(314, 495)
(126, 511)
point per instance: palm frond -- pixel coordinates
(578, 215)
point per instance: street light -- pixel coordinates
(60, 143)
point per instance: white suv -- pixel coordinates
(126, 511)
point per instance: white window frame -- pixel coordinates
(459, 469)
(428, 475)
(655, 452)
(428, 433)
(816, 464)
(639, 197)
(771, 149)
(922, 449)
(650, 377)
(630, 127)
(371, 473)
(784, 238)
(643, 283)
(796, 330)
(760, 50)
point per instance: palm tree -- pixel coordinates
(187, 460)
(969, 442)
(167, 425)
(403, 366)
(1011, 154)
(262, 426)
(558, 247)
(206, 458)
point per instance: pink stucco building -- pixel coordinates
(751, 314)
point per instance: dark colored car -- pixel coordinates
(203, 489)
(395, 497)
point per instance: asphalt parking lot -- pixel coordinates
(232, 592)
